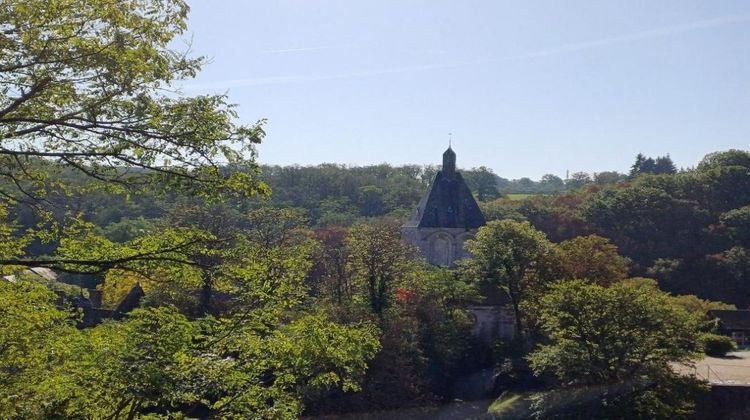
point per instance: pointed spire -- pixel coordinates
(449, 161)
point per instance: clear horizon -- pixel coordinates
(526, 89)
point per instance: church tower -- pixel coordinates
(446, 216)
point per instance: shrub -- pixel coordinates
(717, 345)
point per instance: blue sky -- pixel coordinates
(526, 87)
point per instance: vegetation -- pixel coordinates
(511, 256)
(618, 341)
(307, 301)
(717, 345)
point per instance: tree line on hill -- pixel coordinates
(328, 194)
(686, 229)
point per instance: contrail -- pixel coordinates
(560, 50)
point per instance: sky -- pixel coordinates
(526, 87)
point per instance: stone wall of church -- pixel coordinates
(492, 322)
(440, 246)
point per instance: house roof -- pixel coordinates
(448, 202)
(732, 319)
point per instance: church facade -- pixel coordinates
(446, 217)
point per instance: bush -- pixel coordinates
(717, 345)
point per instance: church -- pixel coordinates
(446, 217)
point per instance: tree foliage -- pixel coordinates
(511, 256)
(591, 258)
(87, 85)
(621, 338)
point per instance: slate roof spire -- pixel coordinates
(448, 202)
(449, 161)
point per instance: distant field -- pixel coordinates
(518, 196)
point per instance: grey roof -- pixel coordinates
(448, 202)
(732, 319)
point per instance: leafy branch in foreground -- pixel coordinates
(89, 86)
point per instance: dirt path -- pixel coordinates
(734, 369)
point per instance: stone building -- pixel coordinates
(446, 217)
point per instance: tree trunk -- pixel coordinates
(204, 300)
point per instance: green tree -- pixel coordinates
(591, 258)
(578, 180)
(482, 182)
(737, 222)
(85, 85)
(732, 157)
(264, 357)
(621, 341)
(664, 165)
(501, 209)
(88, 92)
(378, 260)
(509, 255)
(608, 177)
(646, 222)
(140, 360)
(551, 184)
(330, 273)
(371, 201)
(36, 338)
(642, 165)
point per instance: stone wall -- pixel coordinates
(440, 246)
(492, 322)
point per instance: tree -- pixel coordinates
(275, 226)
(646, 222)
(370, 199)
(620, 341)
(737, 222)
(525, 186)
(245, 363)
(337, 211)
(664, 165)
(592, 258)
(378, 259)
(86, 86)
(641, 165)
(551, 184)
(578, 180)
(35, 339)
(330, 273)
(501, 209)
(608, 177)
(736, 263)
(509, 255)
(482, 182)
(732, 157)
(644, 165)
(12, 242)
(89, 89)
